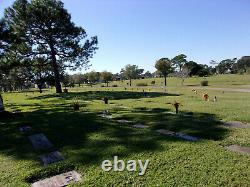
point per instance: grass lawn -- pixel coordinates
(86, 139)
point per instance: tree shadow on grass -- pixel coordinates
(86, 139)
(203, 125)
(95, 95)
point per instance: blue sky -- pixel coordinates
(142, 31)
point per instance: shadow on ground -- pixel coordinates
(86, 139)
(95, 95)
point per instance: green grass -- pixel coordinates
(86, 139)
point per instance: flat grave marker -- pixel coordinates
(40, 142)
(123, 121)
(239, 149)
(105, 116)
(140, 126)
(165, 132)
(235, 124)
(177, 135)
(52, 157)
(25, 129)
(61, 180)
(186, 137)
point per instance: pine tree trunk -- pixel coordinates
(56, 70)
(165, 80)
(130, 82)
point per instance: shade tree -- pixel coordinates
(164, 66)
(46, 30)
(131, 72)
(106, 77)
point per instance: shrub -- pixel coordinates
(152, 82)
(102, 86)
(204, 83)
(141, 84)
(115, 85)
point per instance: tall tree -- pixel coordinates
(131, 72)
(80, 78)
(164, 66)
(47, 31)
(93, 77)
(179, 61)
(243, 63)
(226, 66)
(106, 77)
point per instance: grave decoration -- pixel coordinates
(206, 97)
(215, 99)
(176, 106)
(76, 106)
(106, 100)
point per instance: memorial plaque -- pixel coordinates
(170, 113)
(166, 132)
(25, 129)
(124, 121)
(52, 157)
(177, 135)
(105, 116)
(40, 142)
(239, 149)
(140, 126)
(61, 180)
(235, 124)
(186, 137)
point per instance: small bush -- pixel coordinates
(204, 83)
(141, 84)
(152, 82)
(115, 85)
(102, 86)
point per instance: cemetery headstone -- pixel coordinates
(52, 157)
(40, 142)
(61, 180)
